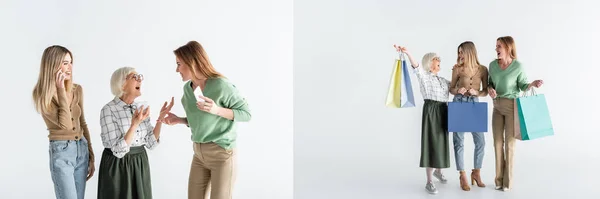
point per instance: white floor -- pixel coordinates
(372, 177)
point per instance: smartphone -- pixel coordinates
(197, 93)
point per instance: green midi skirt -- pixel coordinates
(435, 149)
(125, 178)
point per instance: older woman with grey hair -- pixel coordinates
(434, 132)
(126, 129)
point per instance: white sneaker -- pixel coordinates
(430, 187)
(505, 189)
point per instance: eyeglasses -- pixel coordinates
(137, 77)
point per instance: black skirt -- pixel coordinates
(435, 149)
(125, 178)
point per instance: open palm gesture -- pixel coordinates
(166, 108)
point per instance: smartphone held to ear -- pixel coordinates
(197, 94)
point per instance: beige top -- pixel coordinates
(478, 80)
(67, 122)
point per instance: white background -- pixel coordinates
(249, 42)
(347, 144)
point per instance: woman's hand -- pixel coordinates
(171, 119)
(60, 80)
(473, 92)
(537, 83)
(140, 115)
(462, 90)
(91, 170)
(400, 49)
(492, 92)
(165, 109)
(405, 51)
(208, 105)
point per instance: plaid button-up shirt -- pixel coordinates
(115, 120)
(433, 87)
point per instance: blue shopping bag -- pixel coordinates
(467, 117)
(534, 117)
(406, 97)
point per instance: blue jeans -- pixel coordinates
(69, 167)
(459, 138)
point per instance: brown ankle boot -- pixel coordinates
(476, 177)
(464, 184)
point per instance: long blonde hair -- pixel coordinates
(511, 47)
(196, 58)
(470, 54)
(45, 88)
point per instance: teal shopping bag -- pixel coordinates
(534, 117)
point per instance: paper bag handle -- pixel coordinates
(471, 98)
(532, 92)
(401, 56)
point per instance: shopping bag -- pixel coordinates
(468, 117)
(393, 97)
(407, 98)
(400, 92)
(516, 121)
(534, 117)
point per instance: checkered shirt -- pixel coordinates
(115, 120)
(433, 87)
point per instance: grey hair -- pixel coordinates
(427, 59)
(118, 80)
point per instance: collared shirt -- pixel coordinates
(433, 87)
(115, 120)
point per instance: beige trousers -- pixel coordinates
(504, 140)
(212, 173)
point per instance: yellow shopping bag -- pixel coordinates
(394, 93)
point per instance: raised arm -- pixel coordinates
(63, 111)
(413, 63)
